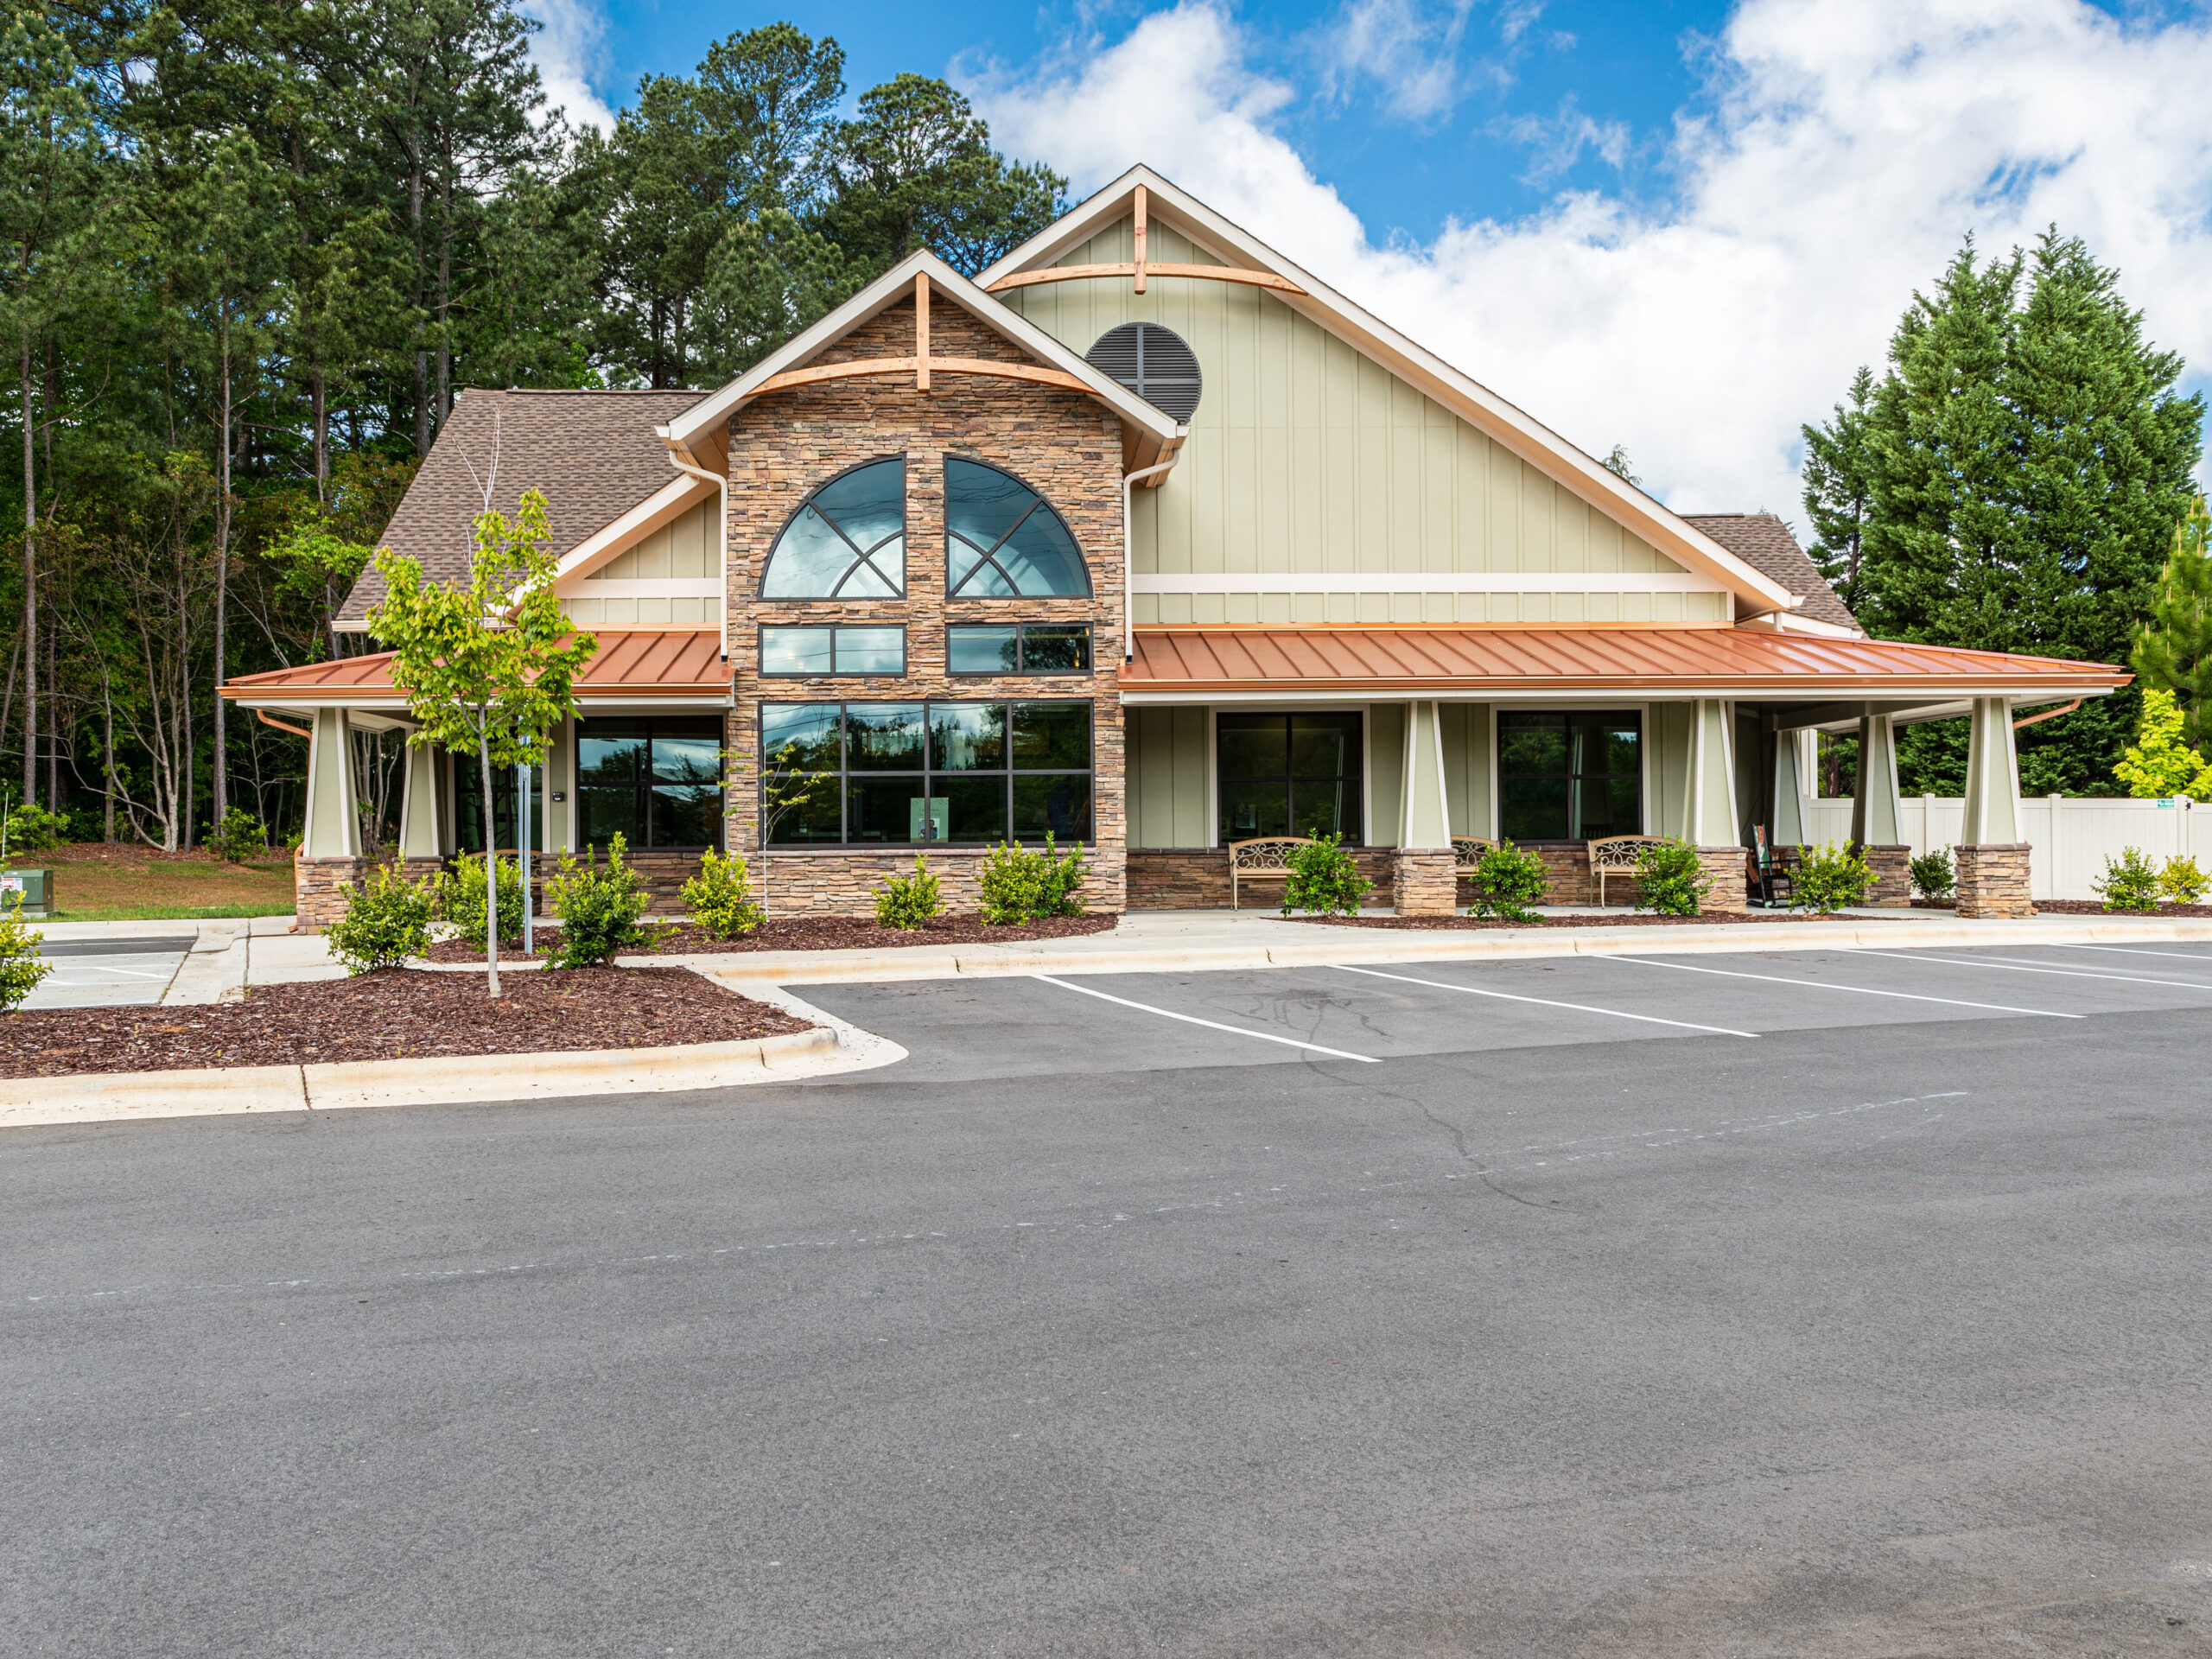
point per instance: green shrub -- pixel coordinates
(720, 897)
(599, 908)
(1932, 876)
(83, 823)
(907, 901)
(2181, 882)
(1830, 878)
(21, 969)
(33, 830)
(238, 837)
(387, 920)
(2129, 882)
(1324, 879)
(1670, 880)
(1507, 881)
(460, 897)
(1020, 886)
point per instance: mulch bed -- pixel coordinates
(394, 1013)
(2095, 907)
(1459, 922)
(807, 933)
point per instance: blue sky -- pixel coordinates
(1491, 153)
(1677, 225)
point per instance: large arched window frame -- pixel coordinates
(865, 549)
(1010, 543)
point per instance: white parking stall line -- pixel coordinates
(1545, 1001)
(2138, 950)
(2014, 965)
(135, 973)
(1824, 985)
(1211, 1025)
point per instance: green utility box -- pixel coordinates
(33, 889)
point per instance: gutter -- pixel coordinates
(683, 461)
(1129, 559)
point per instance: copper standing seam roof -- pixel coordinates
(1330, 661)
(660, 663)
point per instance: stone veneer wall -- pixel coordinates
(1993, 880)
(1062, 444)
(1424, 882)
(320, 887)
(1893, 869)
(1197, 879)
(1724, 868)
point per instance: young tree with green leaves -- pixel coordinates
(488, 670)
(2161, 762)
(2173, 642)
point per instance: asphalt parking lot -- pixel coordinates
(1792, 1303)
(108, 972)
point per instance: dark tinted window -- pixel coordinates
(1570, 776)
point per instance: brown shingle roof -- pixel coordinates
(1763, 542)
(592, 453)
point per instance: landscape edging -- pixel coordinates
(93, 1097)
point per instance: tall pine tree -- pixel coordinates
(2173, 644)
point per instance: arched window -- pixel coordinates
(847, 540)
(1002, 540)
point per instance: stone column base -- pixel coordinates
(1723, 867)
(1422, 881)
(420, 869)
(320, 887)
(1993, 879)
(1892, 867)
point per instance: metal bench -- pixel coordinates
(1617, 856)
(1264, 858)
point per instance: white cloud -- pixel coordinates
(1411, 56)
(566, 51)
(1852, 144)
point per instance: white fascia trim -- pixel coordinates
(880, 296)
(1681, 582)
(1520, 432)
(1791, 622)
(664, 507)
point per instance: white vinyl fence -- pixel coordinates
(2071, 838)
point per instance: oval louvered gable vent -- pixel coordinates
(1153, 362)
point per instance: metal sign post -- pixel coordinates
(522, 853)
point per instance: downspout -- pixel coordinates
(680, 458)
(1129, 559)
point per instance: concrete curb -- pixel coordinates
(96, 1096)
(1381, 945)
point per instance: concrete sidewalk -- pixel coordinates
(229, 955)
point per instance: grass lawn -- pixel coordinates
(95, 883)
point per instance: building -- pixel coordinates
(1145, 538)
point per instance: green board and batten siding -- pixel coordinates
(1309, 458)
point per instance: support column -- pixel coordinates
(1709, 803)
(1991, 859)
(329, 861)
(1877, 814)
(423, 843)
(1786, 812)
(1423, 883)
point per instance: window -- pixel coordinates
(1570, 776)
(832, 649)
(1019, 648)
(468, 806)
(847, 540)
(657, 783)
(906, 773)
(1289, 775)
(1002, 540)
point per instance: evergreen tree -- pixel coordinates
(1839, 488)
(2014, 481)
(2173, 644)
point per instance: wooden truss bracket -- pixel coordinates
(1150, 267)
(921, 369)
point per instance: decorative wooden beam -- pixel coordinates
(918, 367)
(1128, 268)
(921, 331)
(1137, 265)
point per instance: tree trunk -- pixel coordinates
(53, 717)
(107, 768)
(490, 868)
(30, 588)
(319, 386)
(218, 796)
(445, 300)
